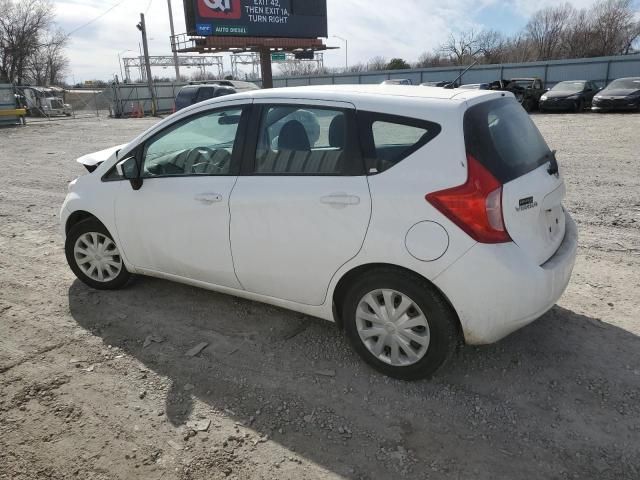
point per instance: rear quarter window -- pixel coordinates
(504, 139)
(388, 139)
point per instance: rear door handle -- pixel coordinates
(340, 200)
(208, 198)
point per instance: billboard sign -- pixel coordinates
(257, 18)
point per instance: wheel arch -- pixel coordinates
(80, 216)
(347, 279)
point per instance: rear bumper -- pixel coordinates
(497, 290)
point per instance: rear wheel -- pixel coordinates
(398, 324)
(94, 257)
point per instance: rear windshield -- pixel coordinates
(502, 137)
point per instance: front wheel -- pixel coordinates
(399, 324)
(94, 257)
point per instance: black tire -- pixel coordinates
(442, 321)
(89, 226)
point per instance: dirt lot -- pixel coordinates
(282, 395)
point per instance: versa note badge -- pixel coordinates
(526, 204)
(229, 9)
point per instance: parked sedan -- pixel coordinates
(412, 218)
(475, 86)
(397, 81)
(622, 94)
(574, 95)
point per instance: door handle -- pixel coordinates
(340, 200)
(208, 198)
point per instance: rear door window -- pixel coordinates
(503, 138)
(389, 139)
(307, 140)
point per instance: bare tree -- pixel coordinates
(29, 47)
(377, 63)
(614, 27)
(48, 64)
(460, 48)
(577, 36)
(300, 69)
(432, 59)
(491, 45)
(546, 30)
(356, 68)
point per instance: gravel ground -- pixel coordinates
(277, 395)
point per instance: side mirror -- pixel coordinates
(128, 169)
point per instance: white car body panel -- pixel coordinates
(305, 256)
(175, 230)
(96, 158)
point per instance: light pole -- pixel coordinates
(346, 51)
(120, 64)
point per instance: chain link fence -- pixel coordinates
(75, 103)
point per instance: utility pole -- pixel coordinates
(143, 28)
(173, 46)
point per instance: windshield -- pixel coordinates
(569, 87)
(503, 138)
(625, 84)
(522, 83)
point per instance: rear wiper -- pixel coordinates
(553, 167)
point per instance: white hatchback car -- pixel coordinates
(411, 217)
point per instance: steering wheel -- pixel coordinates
(203, 157)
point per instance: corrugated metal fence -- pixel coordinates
(600, 69)
(135, 100)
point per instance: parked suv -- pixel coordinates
(192, 94)
(412, 218)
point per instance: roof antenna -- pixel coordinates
(452, 85)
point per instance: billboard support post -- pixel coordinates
(265, 65)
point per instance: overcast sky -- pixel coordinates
(398, 28)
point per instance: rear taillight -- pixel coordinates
(475, 206)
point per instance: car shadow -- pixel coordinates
(557, 395)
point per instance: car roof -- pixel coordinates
(351, 92)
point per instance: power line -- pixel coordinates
(95, 19)
(148, 7)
